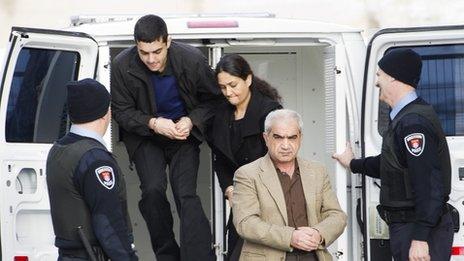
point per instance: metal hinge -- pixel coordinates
(338, 254)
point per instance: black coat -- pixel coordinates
(252, 145)
(133, 101)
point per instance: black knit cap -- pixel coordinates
(88, 100)
(404, 65)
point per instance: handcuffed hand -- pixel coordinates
(184, 126)
(306, 238)
(167, 128)
(419, 251)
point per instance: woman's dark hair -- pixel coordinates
(150, 28)
(237, 66)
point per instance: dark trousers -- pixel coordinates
(182, 157)
(73, 258)
(65, 258)
(234, 242)
(301, 256)
(440, 239)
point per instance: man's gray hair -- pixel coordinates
(282, 115)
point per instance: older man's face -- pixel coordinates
(283, 141)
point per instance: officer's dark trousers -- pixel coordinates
(65, 258)
(440, 239)
(182, 157)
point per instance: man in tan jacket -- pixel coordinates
(284, 206)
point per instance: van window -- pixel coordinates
(441, 85)
(37, 101)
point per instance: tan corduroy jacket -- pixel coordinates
(260, 214)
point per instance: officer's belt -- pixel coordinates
(402, 215)
(81, 252)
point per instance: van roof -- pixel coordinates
(203, 24)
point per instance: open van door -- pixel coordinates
(33, 114)
(311, 75)
(441, 85)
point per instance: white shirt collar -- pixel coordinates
(407, 99)
(87, 133)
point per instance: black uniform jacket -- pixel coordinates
(107, 209)
(133, 100)
(424, 170)
(252, 145)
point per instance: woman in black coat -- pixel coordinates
(236, 133)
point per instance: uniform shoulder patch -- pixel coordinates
(415, 143)
(105, 175)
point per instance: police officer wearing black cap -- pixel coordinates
(414, 165)
(86, 187)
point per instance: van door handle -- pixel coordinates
(251, 41)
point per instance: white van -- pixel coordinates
(324, 71)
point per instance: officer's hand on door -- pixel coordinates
(345, 157)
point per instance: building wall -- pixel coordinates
(363, 14)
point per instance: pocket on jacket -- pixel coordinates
(248, 256)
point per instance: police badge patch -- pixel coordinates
(106, 177)
(415, 143)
